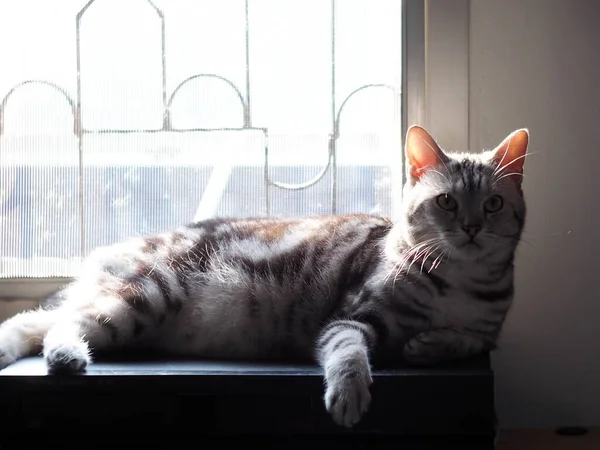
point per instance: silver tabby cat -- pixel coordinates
(341, 289)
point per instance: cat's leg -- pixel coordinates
(445, 344)
(124, 294)
(343, 351)
(22, 335)
(94, 323)
(65, 348)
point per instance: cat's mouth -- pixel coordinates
(470, 245)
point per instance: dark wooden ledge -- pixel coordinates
(218, 399)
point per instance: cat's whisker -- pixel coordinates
(393, 270)
(507, 175)
(441, 174)
(421, 253)
(426, 257)
(437, 261)
(405, 261)
(447, 257)
(437, 151)
(401, 269)
(418, 256)
(502, 159)
(405, 257)
(416, 252)
(501, 167)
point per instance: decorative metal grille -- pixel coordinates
(77, 106)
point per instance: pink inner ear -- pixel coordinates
(510, 154)
(422, 152)
(419, 166)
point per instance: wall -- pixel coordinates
(536, 64)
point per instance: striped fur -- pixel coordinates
(341, 289)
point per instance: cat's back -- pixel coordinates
(268, 284)
(249, 286)
(265, 237)
(291, 256)
(251, 239)
(277, 228)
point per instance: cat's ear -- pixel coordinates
(509, 156)
(422, 153)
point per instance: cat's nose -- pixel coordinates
(471, 230)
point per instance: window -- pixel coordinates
(124, 118)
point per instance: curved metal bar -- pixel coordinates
(309, 183)
(336, 131)
(161, 17)
(163, 56)
(44, 83)
(333, 135)
(218, 77)
(266, 173)
(83, 10)
(248, 110)
(79, 128)
(332, 140)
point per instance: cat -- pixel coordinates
(344, 289)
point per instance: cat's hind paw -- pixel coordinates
(67, 358)
(6, 359)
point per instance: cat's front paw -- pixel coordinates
(425, 349)
(67, 358)
(348, 398)
(442, 345)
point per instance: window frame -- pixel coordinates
(434, 95)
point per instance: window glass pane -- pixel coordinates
(263, 107)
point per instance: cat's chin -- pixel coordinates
(469, 249)
(470, 246)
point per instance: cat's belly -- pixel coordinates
(235, 340)
(231, 328)
(237, 313)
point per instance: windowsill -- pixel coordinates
(227, 398)
(136, 364)
(19, 294)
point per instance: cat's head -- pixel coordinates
(471, 205)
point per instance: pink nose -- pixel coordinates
(471, 230)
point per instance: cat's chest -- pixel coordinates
(450, 299)
(424, 305)
(456, 308)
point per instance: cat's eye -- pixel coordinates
(493, 204)
(446, 202)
